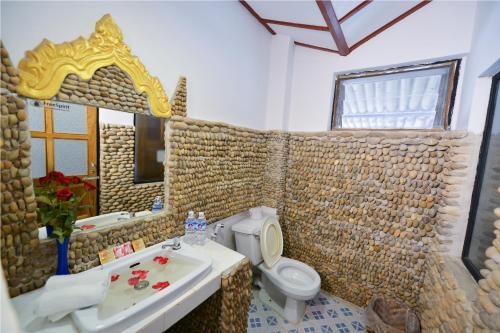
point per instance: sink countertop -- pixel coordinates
(223, 259)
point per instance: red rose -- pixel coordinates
(89, 186)
(64, 194)
(44, 180)
(55, 175)
(75, 180)
(65, 180)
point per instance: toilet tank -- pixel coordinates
(246, 235)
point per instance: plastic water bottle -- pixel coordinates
(157, 205)
(189, 228)
(202, 229)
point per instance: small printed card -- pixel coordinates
(106, 256)
(123, 250)
(138, 244)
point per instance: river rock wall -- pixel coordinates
(19, 234)
(109, 87)
(117, 190)
(213, 167)
(361, 207)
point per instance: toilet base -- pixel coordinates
(293, 310)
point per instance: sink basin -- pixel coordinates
(102, 220)
(99, 221)
(141, 284)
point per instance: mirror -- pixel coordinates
(119, 156)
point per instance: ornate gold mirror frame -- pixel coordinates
(43, 70)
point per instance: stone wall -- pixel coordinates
(109, 87)
(229, 304)
(488, 307)
(275, 172)
(213, 167)
(361, 207)
(118, 192)
(179, 99)
(18, 207)
(446, 302)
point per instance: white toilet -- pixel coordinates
(286, 283)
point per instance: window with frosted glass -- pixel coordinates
(412, 97)
(70, 156)
(38, 158)
(36, 115)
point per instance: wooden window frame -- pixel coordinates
(49, 136)
(454, 65)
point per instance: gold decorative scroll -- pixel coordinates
(43, 69)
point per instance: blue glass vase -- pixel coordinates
(62, 257)
(50, 230)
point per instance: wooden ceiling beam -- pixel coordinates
(390, 23)
(297, 25)
(326, 9)
(311, 46)
(355, 10)
(257, 16)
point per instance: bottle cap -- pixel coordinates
(191, 214)
(201, 215)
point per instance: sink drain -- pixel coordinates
(141, 285)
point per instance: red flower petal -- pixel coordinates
(87, 226)
(133, 281)
(161, 260)
(141, 274)
(161, 285)
(115, 277)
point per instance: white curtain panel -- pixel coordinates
(403, 100)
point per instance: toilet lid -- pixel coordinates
(271, 241)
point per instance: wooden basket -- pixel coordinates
(391, 316)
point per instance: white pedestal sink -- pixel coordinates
(142, 283)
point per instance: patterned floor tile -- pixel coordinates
(324, 314)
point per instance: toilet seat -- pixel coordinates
(271, 241)
(294, 278)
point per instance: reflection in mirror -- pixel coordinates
(117, 155)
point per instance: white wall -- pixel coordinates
(437, 31)
(483, 63)
(107, 116)
(485, 53)
(219, 46)
(279, 82)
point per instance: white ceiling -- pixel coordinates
(306, 12)
(365, 21)
(372, 17)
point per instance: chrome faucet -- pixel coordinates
(217, 228)
(175, 244)
(126, 216)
